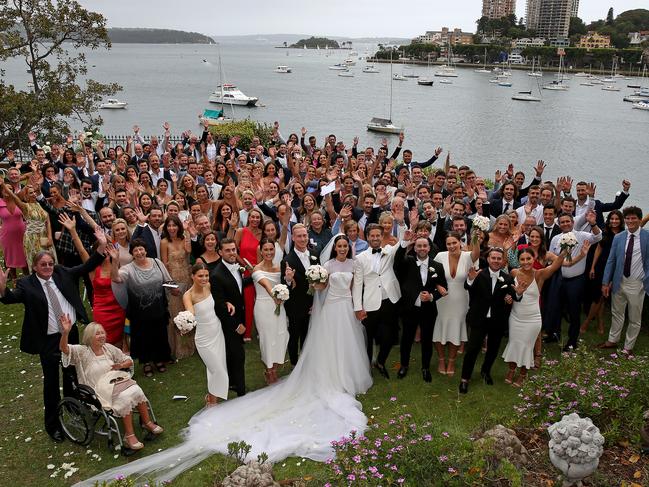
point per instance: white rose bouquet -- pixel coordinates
(315, 274)
(568, 242)
(185, 321)
(482, 223)
(281, 293)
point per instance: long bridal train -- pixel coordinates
(299, 416)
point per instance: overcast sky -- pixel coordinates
(353, 18)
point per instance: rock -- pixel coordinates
(506, 444)
(575, 447)
(252, 474)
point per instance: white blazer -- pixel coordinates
(366, 292)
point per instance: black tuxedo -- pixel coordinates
(556, 230)
(298, 306)
(146, 233)
(497, 205)
(34, 338)
(483, 301)
(409, 275)
(225, 289)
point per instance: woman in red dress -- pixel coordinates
(247, 240)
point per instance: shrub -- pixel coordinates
(245, 130)
(612, 390)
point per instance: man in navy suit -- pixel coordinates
(627, 275)
(148, 229)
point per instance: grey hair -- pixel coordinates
(89, 333)
(37, 258)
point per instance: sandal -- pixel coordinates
(537, 360)
(450, 367)
(161, 367)
(441, 366)
(153, 428)
(137, 445)
(510, 376)
(148, 370)
(520, 380)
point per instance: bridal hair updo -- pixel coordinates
(333, 248)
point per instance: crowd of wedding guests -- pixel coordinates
(151, 226)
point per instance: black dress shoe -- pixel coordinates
(403, 371)
(57, 436)
(487, 378)
(382, 370)
(464, 387)
(425, 373)
(551, 339)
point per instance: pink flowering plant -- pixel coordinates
(611, 389)
(401, 452)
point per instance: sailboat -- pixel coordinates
(527, 95)
(385, 125)
(425, 81)
(558, 84)
(229, 93)
(533, 73)
(217, 117)
(447, 70)
(483, 69)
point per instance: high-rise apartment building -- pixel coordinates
(495, 9)
(575, 8)
(549, 18)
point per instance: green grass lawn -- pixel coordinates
(26, 450)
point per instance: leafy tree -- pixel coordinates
(609, 17)
(577, 26)
(40, 32)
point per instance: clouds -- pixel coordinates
(353, 18)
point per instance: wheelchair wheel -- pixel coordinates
(76, 421)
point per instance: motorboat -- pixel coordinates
(384, 125)
(350, 62)
(338, 67)
(505, 83)
(370, 68)
(633, 86)
(445, 81)
(641, 105)
(639, 95)
(346, 74)
(213, 117)
(610, 88)
(231, 95)
(113, 104)
(283, 69)
(398, 77)
(425, 82)
(525, 96)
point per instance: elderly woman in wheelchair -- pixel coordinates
(100, 365)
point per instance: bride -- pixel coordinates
(298, 416)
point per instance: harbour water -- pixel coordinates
(585, 132)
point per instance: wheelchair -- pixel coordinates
(82, 417)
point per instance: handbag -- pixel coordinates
(169, 284)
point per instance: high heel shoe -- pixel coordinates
(154, 428)
(136, 445)
(520, 380)
(441, 366)
(537, 360)
(450, 367)
(268, 376)
(510, 376)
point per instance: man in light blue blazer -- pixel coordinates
(627, 276)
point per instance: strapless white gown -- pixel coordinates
(272, 328)
(524, 327)
(210, 345)
(298, 416)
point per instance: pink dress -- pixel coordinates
(11, 236)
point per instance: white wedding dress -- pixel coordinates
(272, 328)
(298, 416)
(210, 344)
(524, 327)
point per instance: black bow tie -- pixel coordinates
(376, 251)
(433, 224)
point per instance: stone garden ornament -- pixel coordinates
(575, 447)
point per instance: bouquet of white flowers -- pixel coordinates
(482, 223)
(568, 242)
(185, 322)
(315, 274)
(281, 292)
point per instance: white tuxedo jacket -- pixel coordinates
(366, 291)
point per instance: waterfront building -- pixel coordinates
(529, 42)
(445, 36)
(550, 19)
(496, 9)
(594, 40)
(637, 38)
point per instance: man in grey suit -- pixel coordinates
(627, 275)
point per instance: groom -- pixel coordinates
(227, 283)
(298, 306)
(491, 293)
(375, 294)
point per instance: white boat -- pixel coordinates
(581, 74)
(610, 88)
(231, 95)
(385, 125)
(350, 62)
(446, 72)
(113, 104)
(411, 75)
(425, 82)
(596, 81)
(483, 69)
(586, 83)
(445, 81)
(638, 95)
(533, 73)
(504, 83)
(525, 96)
(213, 117)
(346, 74)
(370, 68)
(398, 77)
(283, 69)
(641, 105)
(494, 81)
(609, 80)
(338, 67)
(558, 84)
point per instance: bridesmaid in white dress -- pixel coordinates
(450, 326)
(272, 328)
(525, 317)
(209, 339)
